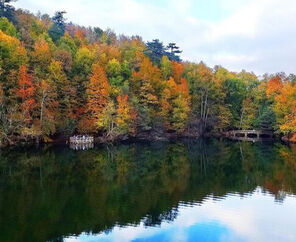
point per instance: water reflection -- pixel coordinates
(231, 191)
(81, 146)
(254, 218)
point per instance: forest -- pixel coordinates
(58, 79)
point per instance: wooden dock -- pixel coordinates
(81, 142)
(81, 139)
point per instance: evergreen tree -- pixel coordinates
(173, 52)
(7, 10)
(57, 30)
(155, 50)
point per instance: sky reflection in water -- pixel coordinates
(195, 190)
(253, 217)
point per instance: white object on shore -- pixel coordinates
(81, 139)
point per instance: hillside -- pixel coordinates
(59, 79)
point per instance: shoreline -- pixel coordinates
(144, 137)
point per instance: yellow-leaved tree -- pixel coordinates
(126, 115)
(285, 109)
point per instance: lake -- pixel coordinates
(191, 190)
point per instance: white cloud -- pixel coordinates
(243, 22)
(256, 35)
(230, 58)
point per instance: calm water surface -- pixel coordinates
(205, 190)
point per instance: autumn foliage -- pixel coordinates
(285, 108)
(25, 92)
(125, 116)
(274, 86)
(62, 79)
(97, 91)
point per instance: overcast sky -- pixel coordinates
(256, 35)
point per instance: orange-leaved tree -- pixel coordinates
(41, 57)
(274, 86)
(25, 92)
(97, 95)
(178, 71)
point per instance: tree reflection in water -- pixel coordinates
(52, 192)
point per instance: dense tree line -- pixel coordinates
(58, 78)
